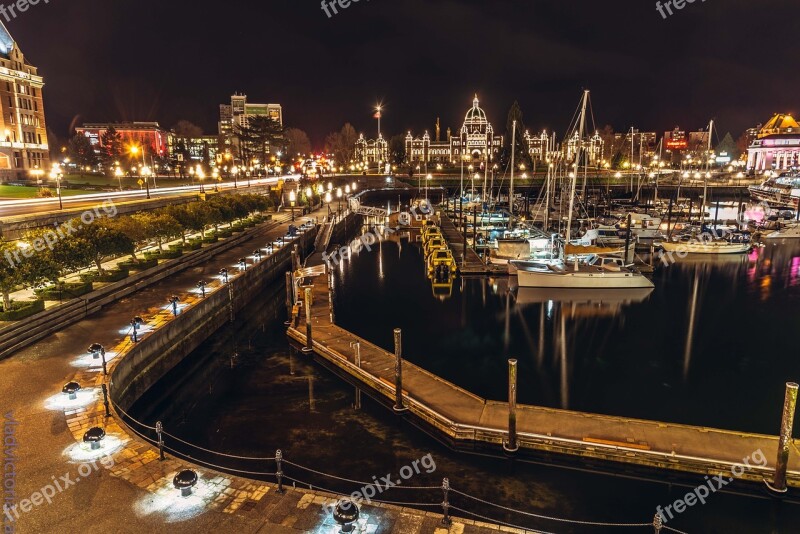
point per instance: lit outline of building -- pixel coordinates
(475, 144)
(776, 146)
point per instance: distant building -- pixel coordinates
(23, 146)
(187, 151)
(640, 145)
(776, 146)
(476, 143)
(372, 150)
(541, 146)
(237, 114)
(149, 135)
(591, 147)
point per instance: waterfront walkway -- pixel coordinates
(135, 494)
(470, 262)
(467, 418)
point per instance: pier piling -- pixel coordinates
(289, 302)
(309, 341)
(398, 372)
(787, 421)
(511, 445)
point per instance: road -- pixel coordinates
(10, 208)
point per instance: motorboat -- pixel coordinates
(597, 272)
(781, 191)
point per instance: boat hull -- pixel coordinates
(582, 279)
(707, 248)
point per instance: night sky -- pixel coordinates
(106, 60)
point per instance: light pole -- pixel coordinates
(234, 172)
(427, 178)
(134, 152)
(339, 201)
(56, 175)
(292, 200)
(118, 173)
(328, 199)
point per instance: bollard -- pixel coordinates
(658, 524)
(289, 302)
(398, 372)
(309, 341)
(511, 445)
(446, 502)
(787, 421)
(159, 430)
(279, 470)
(105, 399)
(103, 357)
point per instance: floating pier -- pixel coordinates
(469, 420)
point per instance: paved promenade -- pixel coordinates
(132, 492)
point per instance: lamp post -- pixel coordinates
(339, 201)
(328, 199)
(427, 178)
(292, 200)
(118, 173)
(202, 285)
(135, 152)
(224, 273)
(235, 172)
(56, 175)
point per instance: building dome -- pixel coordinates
(475, 116)
(779, 124)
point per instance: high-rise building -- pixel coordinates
(24, 152)
(237, 114)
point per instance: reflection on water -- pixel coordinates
(245, 392)
(713, 329)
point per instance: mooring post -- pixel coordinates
(296, 257)
(398, 372)
(289, 302)
(787, 421)
(279, 470)
(357, 358)
(159, 432)
(658, 524)
(309, 341)
(446, 501)
(511, 445)
(628, 239)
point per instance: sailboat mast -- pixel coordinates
(575, 174)
(511, 187)
(705, 176)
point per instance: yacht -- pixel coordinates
(782, 191)
(596, 273)
(791, 231)
(735, 244)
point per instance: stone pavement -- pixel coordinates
(128, 489)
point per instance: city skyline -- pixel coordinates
(639, 67)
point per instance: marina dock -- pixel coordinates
(469, 420)
(468, 261)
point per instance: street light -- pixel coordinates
(224, 273)
(118, 173)
(56, 175)
(328, 199)
(339, 200)
(292, 200)
(234, 172)
(135, 151)
(429, 177)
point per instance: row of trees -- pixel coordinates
(45, 255)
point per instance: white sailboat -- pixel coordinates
(598, 272)
(789, 232)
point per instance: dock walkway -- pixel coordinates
(466, 418)
(470, 263)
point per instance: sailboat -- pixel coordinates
(598, 272)
(690, 243)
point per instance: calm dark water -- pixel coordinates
(625, 355)
(246, 392)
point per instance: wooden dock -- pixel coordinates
(466, 418)
(469, 263)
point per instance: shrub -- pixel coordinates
(210, 239)
(64, 291)
(21, 310)
(227, 232)
(141, 265)
(171, 254)
(194, 244)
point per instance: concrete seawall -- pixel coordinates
(154, 356)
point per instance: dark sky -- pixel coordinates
(732, 60)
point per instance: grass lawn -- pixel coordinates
(127, 181)
(17, 191)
